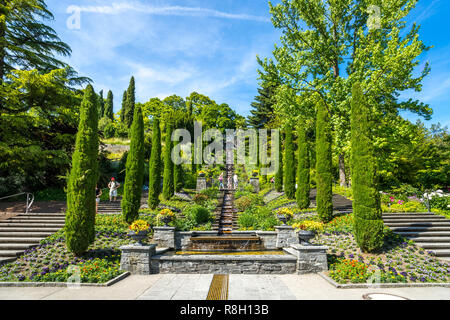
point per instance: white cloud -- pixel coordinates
(117, 8)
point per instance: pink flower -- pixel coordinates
(392, 199)
(400, 201)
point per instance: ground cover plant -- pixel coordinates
(50, 260)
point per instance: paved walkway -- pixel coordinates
(195, 287)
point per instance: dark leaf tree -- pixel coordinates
(303, 179)
(154, 184)
(168, 187)
(289, 164)
(130, 104)
(109, 106)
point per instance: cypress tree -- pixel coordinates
(134, 178)
(154, 184)
(168, 187)
(109, 106)
(368, 222)
(129, 111)
(82, 180)
(101, 104)
(123, 111)
(178, 177)
(279, 173)
(303, 186)
(324, 178)
(289, 166)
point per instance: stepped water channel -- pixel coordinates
(226, 222)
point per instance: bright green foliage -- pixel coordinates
(101, 104)
(109, 106)
(168, 187)
(154, 184)
(130, 103)
(123, 111)
(366, 204)
(303, 186)
(279, 173)
(80, 215)
(324, 176)
(289, 164)
(134, 178)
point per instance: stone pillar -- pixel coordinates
(310, 258)
(286, 236)
(255, 184)
(201, 183)
(136, 259)
(164, 237)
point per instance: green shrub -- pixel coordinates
(198, 213)
(212, 192)
(442, 203)
(200, 198)
(243, 203)
(247, 220)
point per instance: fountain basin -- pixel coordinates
(226, 243)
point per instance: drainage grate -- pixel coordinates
(219, 287)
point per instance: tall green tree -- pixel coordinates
(134, 178)
(279, 173)
(130, 104)
(324, 176)
(326, 46)
(289, 164)
(168, 187)
(366, 204)
(26, 42)
(123, 111)
(154, 184)
(101, 104)
(262, 112)
(80, 214)
(109, 106)
(303, 179)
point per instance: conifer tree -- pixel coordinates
(279, 173)
(101, 109)
(129, 111)
(168, 187)
(123, 111)
(368, 222)
(154, 184)
(109, 106)
(303, 183)
(134, 178)
(82, 180)
(324, 178)
(289, 166)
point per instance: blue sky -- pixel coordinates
(209, 46)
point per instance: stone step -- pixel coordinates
(409, 234)
(442, 252)
(20, 240)
(419, 229)
(433, 245)
(408, 214)
(43, 217)
(25, 235)
(31, 229)
(31, 221)
(419, 224)
(31, 225)
(413, 220)
(429, 239)
(4, 260)
(9, 253)
(15, 246)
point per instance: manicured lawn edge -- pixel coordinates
(380, 285)
(64, 284)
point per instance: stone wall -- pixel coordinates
(252, 264)
(136, 259)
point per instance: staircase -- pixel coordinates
(226, 220)
(427, 230)
(114, 207)
(26, 230)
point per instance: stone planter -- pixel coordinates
(138, 237)
(283, 218)
(166, 220)
(304, 236)
(254, 174)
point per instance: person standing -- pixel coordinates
(235, 180)
(98, 194)
(221, 180)
(113, 185)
